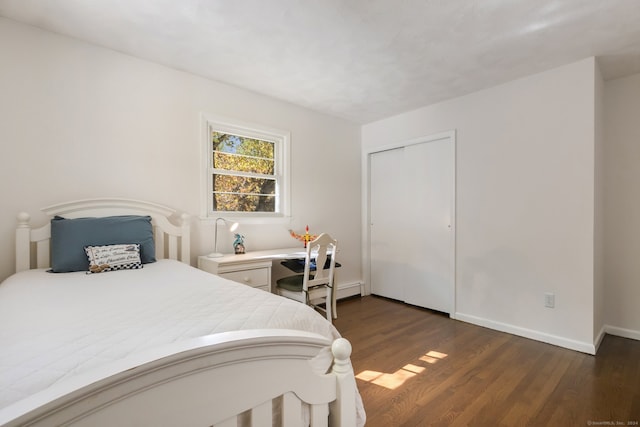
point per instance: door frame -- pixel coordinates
(366, 209)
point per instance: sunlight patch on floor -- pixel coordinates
(396, 379)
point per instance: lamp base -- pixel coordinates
(215, 255)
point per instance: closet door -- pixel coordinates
(411, 209)
(430, 252)
(387, 223)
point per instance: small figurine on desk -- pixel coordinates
(238, 244)
(306, 237)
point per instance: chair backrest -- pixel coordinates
(319, 249)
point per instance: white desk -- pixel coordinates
(252, 268)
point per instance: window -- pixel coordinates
(246, 172)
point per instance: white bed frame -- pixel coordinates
(223, 380)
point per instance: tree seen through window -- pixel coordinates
(243, 174)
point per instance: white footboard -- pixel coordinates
(236, 378)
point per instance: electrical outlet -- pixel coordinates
(549, 300)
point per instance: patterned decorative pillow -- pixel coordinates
(113, 257)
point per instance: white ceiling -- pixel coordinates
(358, 59)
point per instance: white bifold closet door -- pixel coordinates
(388, 229)
(411, 223)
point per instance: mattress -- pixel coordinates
(54, 326)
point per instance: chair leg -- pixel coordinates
(333, 304)
(330, 308)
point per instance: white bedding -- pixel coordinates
(54, 326)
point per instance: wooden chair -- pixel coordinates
(314, 283)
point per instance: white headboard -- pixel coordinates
(171, 240)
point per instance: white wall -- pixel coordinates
(622, 195)
(80, 121)
(599, 211)
(525, 200)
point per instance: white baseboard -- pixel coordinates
(599, 338)
(622, 332)
(584, 347)
(346, 290)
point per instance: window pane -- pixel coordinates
(243, 194)
(243, 184)
(243, 203)
(233, 152)
(236, 162)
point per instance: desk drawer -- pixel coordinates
(257, 277)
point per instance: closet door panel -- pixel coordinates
(386, 223)
(429, 250)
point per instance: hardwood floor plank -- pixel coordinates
(482, 407)
(530, 395)
(425, 369)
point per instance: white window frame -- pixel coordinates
(282, 169)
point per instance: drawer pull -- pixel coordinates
(247, 279)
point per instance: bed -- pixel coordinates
(157, 342)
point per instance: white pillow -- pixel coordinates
(113, 257)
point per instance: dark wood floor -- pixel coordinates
(420, 368)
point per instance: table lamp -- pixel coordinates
(232, 228)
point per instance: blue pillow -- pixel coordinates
(70, 236)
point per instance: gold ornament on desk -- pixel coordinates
(306, 237)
